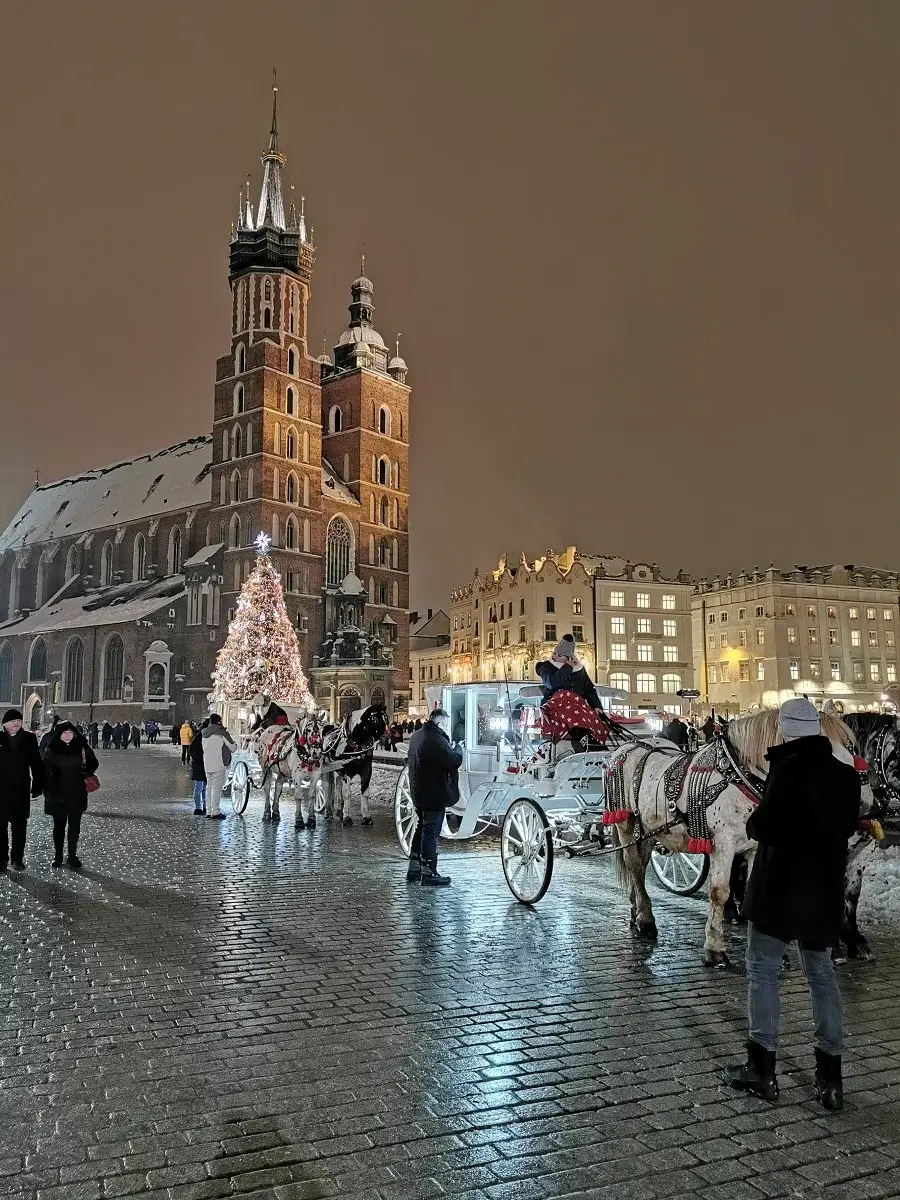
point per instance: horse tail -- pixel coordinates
(622, 833)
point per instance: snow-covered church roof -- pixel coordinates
(166, 481)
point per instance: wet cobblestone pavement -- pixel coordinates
(218, 1009)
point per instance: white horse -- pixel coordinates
(651, 788)
(290, 752)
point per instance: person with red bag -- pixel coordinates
(69, 773)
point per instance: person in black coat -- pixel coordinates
(677, 732)
(434, 784)
(93, 735)
(563, 671)
(21, 778)
(68, 760)
(809, 810)
(198, 772)
(106, 735)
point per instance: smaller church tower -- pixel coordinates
(267, 444)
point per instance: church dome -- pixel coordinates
(397, 364)
(362, 284)
(360, 333)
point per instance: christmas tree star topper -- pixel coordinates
(262, 543)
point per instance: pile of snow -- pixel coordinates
(880, 899)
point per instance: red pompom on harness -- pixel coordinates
(699, 846)
(615, 817)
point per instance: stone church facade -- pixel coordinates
(116, 586)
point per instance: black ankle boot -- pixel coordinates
(829, 1082)
(430, 877)
(414, 870)
(756, 1076)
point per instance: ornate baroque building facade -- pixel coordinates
(119, 582)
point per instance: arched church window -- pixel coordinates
(292, 360)
(290, 533)
(291, 444)
(384, 421)
(6, 672)
(239, 399)
(235, 488)
(73, 674)
(384, 472)
(335, 419)
(234, 532)
(71, 563)
(338, 552)
(113, 668)
(106, 564)
(139, 558)
(290, 404)
(37, 661)
(236, 442)
(291, 489)
(175, 550)
(240, 359)
(384, 510)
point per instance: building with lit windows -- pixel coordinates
(631, 624)
(829, 633)
(429, 657)
(117, 584)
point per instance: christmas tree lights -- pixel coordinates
(261, 653)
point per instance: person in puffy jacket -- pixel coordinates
(217, 743)
(434, 784)
(68, 760)
(809, 810)
(564, 671)
(198, 772)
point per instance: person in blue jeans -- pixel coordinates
(809, 810)
(198, 772)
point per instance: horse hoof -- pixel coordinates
(367, 821)
(645, 931)
(301, 824)
(716, 958)
(347, 822)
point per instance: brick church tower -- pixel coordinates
(315, 454)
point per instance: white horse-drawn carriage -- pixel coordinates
(514, 781)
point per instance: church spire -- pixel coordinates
(271, 199)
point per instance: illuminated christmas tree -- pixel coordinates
(261, 653)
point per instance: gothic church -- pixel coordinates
(116, 586)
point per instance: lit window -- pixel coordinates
(854, 614)
(670, 654)
(723, 639)
(616, 599)
(549, 633)
(742, 637)
(835, 669)
(887, 614)
(875, 672)
(889, 637)
(673, 709)
(760, 670)
(670, 629)
(791, 633)
(789, 610)
(646, 683)
(713, 673)
(619, 680)
(671, 684)
(618, 650)
(858, 674)
(760, 611)
(576, 606)
(724, 673)
(668, 602)
(831, 612)
(521, 635)
(643, 625)
(644, 653)
(711, 641)
(873, 637)
(578, 633)
(810, 610)
(833, 639)
(870, 614)
(855, 639)
(813, 635)
(891, 672)
(815, 668)
(742, 612)
(643, 600)
(794, 669)
(744, 666)
(551, 604)
(617, 626)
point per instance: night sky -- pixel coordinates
(644, 256)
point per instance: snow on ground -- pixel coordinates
(880, 900)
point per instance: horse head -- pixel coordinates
(369, 727)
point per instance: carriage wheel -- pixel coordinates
(404, 813)
(526, 850)
(240, 788)
(683, 874)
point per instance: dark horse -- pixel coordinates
(354, 740)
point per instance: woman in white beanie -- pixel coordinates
(809, 810)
